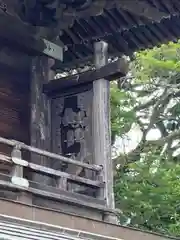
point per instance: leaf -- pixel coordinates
(148, 189)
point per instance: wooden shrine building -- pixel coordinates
(56, 179)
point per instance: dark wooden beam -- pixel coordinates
(110, 72)
(23, 36)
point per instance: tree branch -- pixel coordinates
(172, 136)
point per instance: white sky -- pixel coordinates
(133, 137)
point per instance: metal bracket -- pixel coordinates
(53, 50)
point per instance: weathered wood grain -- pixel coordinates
(14, 101)
(40, 114)
(72, 130)
(101, 125)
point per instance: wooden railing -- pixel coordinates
(17, 181)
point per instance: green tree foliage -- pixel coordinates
(122, 114)
(147, 178)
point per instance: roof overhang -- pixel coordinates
(127, 26)
(21, 229)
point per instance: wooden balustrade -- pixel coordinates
(19, 163)
(17, 181)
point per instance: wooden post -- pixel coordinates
(40, 114)
(62, 183)
(17, 170)
(18, 175)
(101, 125)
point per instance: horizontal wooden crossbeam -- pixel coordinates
(111, 71)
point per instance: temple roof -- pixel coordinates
(126, 25)
(125, 30)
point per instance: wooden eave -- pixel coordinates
(125, 25)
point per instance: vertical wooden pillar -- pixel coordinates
(101, 124)
(40, 114)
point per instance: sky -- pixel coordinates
(130, 141)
